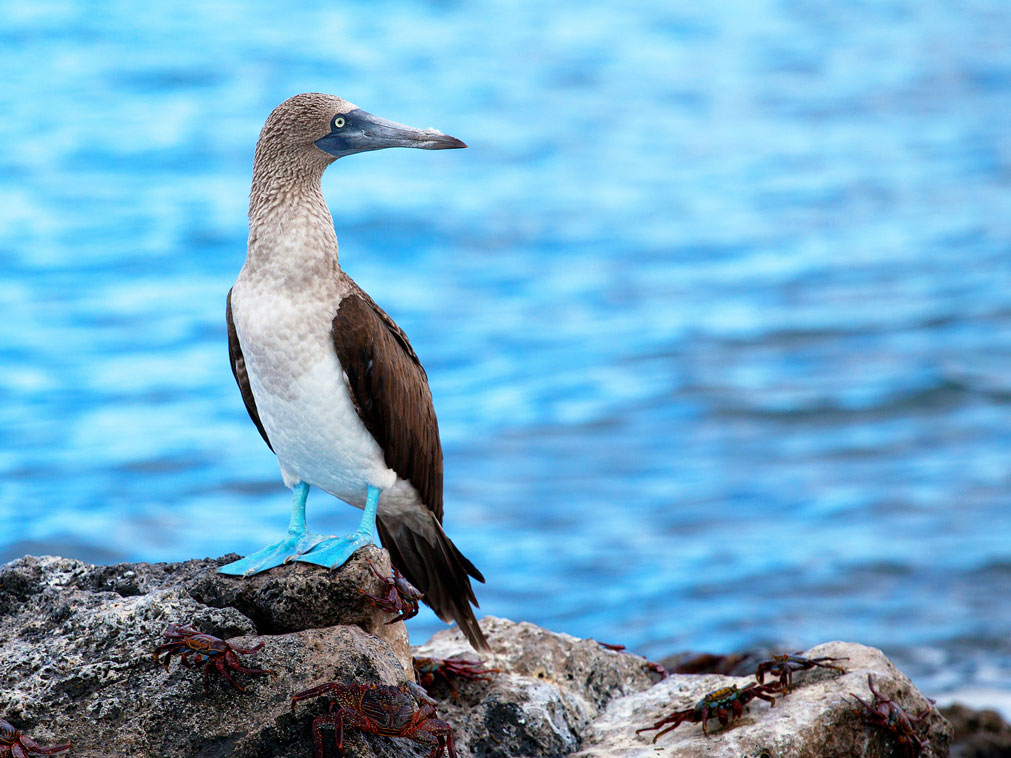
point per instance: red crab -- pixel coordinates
(784, 667)
(725, 704)
(379, 709)
(448, 669)
(213, 652)
(16, 744)
(657, 668)
(888, 715)
(402, 597)
(611, 646)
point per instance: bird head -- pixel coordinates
(321, 127)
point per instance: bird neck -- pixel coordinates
(291, 232)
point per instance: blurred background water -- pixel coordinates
(716, 308)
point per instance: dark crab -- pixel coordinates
(213, 652)
(379, 709)
(16, 744)
(784, 666)
(888, 715)
(725, 704)
(728, 664)
(427, 669)
(402, 597)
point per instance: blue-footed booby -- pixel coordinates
(330, 381)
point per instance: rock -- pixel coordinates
(76, 645)
(550, 687)
(978, 734)
(304, 596)
(286, 599)
(76, 663)
(816, 720)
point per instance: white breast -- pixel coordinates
(302, 395)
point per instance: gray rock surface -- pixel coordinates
(76, 645)
(816, 720)
(549, 688)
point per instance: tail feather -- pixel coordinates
(423, 553)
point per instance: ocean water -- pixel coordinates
(716, 309)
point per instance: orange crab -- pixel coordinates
(401, 598)
(784, 666)
(213, 652)
(725, 704)
(427, 669)
(889, 716)
(379, 709)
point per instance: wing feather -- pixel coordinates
(239, 371)
(390, 392)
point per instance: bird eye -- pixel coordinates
(338, 122)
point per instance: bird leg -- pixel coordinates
(335, 551)
(298, 541)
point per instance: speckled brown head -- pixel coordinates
(311, 130)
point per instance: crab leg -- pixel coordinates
(168, 655)
(219, 664)
(317, 738)
(236, 665)
(674, 725)
(33, 747)
(244, 670)
(314, 692)
(207, 678)
(705, 720)
(254, 649)
(333, 719)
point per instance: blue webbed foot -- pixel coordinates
(298, 540)
(288, 549)
(335, 552)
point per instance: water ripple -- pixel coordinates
(715, 309)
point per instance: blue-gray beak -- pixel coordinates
(358, 131)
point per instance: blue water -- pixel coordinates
(716, 308)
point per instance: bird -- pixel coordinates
(328, 378)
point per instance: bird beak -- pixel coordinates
(361, 131)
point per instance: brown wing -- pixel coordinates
(239, 371)
(390, 324)
(391, 395)
(390, 390)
